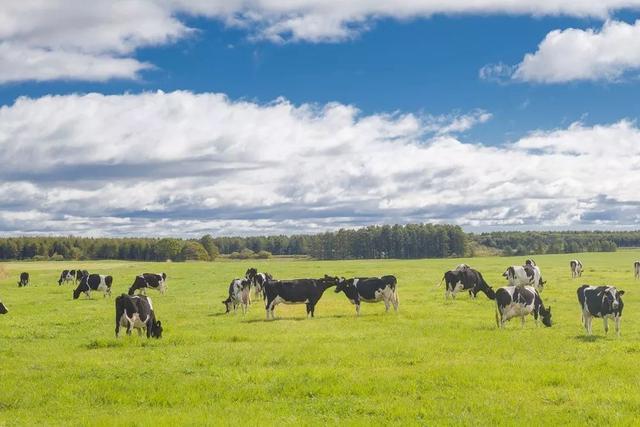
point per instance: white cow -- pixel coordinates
(527, 275)
(576, 268)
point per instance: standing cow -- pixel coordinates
(136, 312)
(239, 290)
(24, 279)
(3, 308)
(636, 269)
(526, 275)
(516, 301)
(466, 279)
(600, 301)
(94, 282)
(257, 280)
(298, 291)
(149, 280)
(576, 268)
(66, 276)
(370, 289)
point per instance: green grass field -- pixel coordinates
(433, 363)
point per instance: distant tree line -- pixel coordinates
(387, 241)
(556, 242)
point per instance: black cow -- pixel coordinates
(298, 291)
(600, 301)
(3, 308)
(94, 282)
(370, 289)
(149, 280)
(466, 279)
(257, 280)
(576, 268)
(516, 301)
(24, 279)
(66, 276)
(137, 312)
(239, 290)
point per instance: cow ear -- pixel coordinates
(159, 323)
(621, 292)
(549, 309)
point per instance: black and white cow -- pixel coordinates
(149, 280)
(466, 279)
(258, 280)
(526, 275)
(576, 268)
(530, 262)
(370, 289)
(600, 301)
(94, 282)
(3, 308)
(520, 301)
(24, 279)
(636, 269)
(298, 291)
(67, 276)
(136, 312)
(80, 273)
(239, 290)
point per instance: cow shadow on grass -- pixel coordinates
(589, 338)
(299, 319)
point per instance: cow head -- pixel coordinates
(347, 286)
(483, 286)
(3, 308)
(228, 305)
(76, 292)
(251, 273)
(530, 262)
(164, 276)
(509, 273)
(155, 329)
(611, 299)
(546, 316)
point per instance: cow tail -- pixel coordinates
(440, 284)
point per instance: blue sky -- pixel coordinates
(419, 84)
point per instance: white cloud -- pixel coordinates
(186, 164)
(574, 54)
(65, 39)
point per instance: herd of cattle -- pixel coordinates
(520, 298)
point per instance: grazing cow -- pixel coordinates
(298, 291)
(516, 301)
(636, 269)
(466, 279)
(137, 312)
(24, 279)
(94, 282)
(239, 290)
(257, 280)
(526, 275)
(600, 301)
(370, 289)
(79, 274)
(66, 276)
(149, 280)
(3, 308)
(576, 268)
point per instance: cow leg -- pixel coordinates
(357, 309)
(522, 321)
(117, 327)
(606, 324)
(394, 301)
(617, 319)
(139, 332)
(128, 328)
(385, 299)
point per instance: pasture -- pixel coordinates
(435, 362)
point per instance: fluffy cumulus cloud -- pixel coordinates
(575, 54)
(65, 39)
(187, 164)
